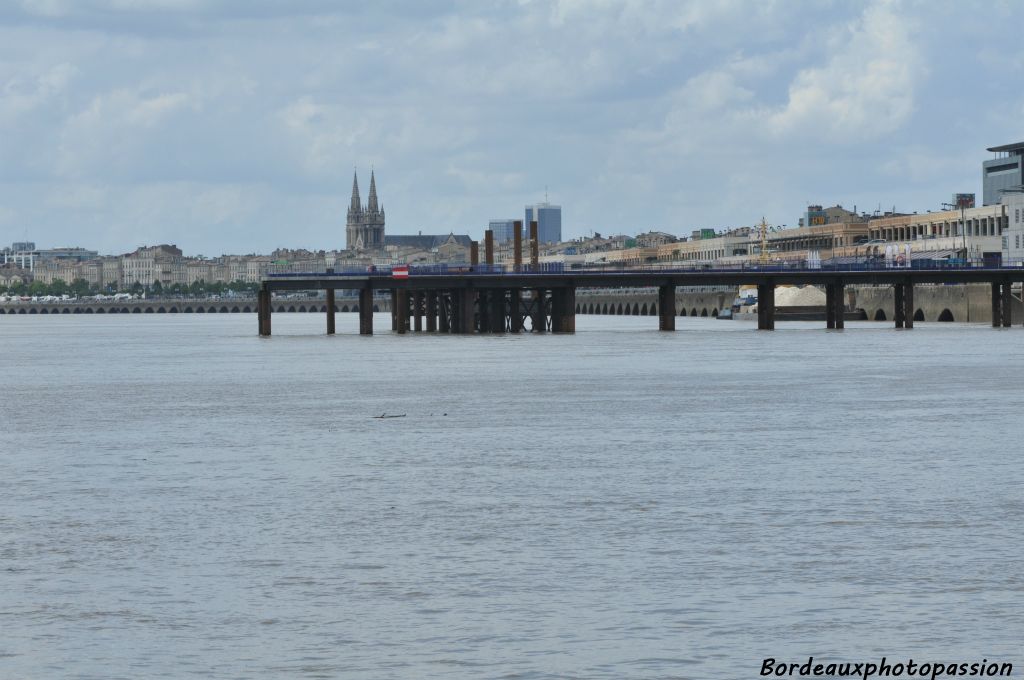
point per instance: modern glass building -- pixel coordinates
(1005, 171)
(504, 230)
(549, 222)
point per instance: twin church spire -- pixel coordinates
(364, 228)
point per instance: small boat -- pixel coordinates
(385, 415)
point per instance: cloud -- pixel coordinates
(865, 89)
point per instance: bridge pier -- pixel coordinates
(263, 309)
(496, 311)
(830, 305)
(899, 312)
(1007, 300)
(766, 306)
(539, 318)
(997, 307)
(394, 310)
(464, 320)
(515, 314)
(431, 310)
(667, 307)
(402, 311)
(444, 310)
(839, 304)
(908, 305)
(330, 311)
(563, 310)
(366, 311)
(418, 310)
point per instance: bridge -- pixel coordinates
(486, 298)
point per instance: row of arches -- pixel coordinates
(945, 315)
(638, 309)
(174, 309)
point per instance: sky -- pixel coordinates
(234, 126)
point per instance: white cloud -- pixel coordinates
(865, 89)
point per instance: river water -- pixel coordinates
(180, 498)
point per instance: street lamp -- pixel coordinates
(963, 222)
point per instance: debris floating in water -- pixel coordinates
(385, 415)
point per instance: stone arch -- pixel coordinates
(101, 310)
(188, 310)
(605, 308)
(323, 308)
(344, 308)
(22, 311)
(714, 312)
(161, 310)
(945, 315)
(653, 310)
(148, 310)
(376, 308)
(88, 310)
(643, 310)
(302, 308)
(173, 310)
(113, 310)
(693, 312)
(78, 310)
(246, 310)
(200, 309)
(879, 315)
(65, 311)
(235, 310)
(919, 315)
(33, 311)
(682, 312)
(355, 308)
(578, 309)
(223, 309)
(704, 312)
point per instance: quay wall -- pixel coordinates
(644, 301)
(968, 303)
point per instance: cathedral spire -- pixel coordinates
(371, 202)
(356, 205)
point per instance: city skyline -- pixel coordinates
(208, 124)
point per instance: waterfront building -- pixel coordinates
(1013, 237)
(148, 265)
(653, 239)
(946, 233)
(364, 227)
(549, 221)
(1003, 172)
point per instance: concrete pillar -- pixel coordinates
(1007, 300)
(534, 245)
(515, 314)
(899, 305)
(568, 324)
(840, 301)
(330, 311)
(908, 304)
(830, 305)
(366, 311)
(496, 311)
(766, 306)
(445, 308)
(418, 310)
(264, 309)
(432, 310)
(997, 307)
(667, 307)
(517, 245)
(466, 298)
(474, 253)
(402, 313)
(489, 246)
(539, 320)
(394, 310)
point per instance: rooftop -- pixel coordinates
(1019, 146)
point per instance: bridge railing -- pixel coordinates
(845, 264)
